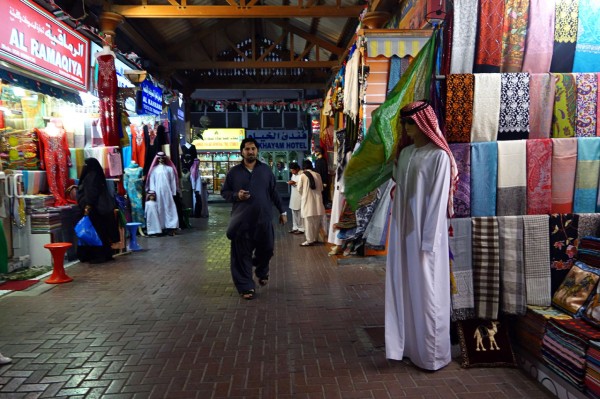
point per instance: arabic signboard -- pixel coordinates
(282, 140)
(220, 139)
(31, 38)
(151, 99)
(120, 66)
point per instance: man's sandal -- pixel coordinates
(248, 295)
(263, 281)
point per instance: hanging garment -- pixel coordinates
(514, 106)
(55, 160)
(512, 178)
(463, 36)
(134, 186)
(565, 35)
(463, 305)
(512, 274)
(107, 93)
(486, 107)
(138, 145)
(77, 162)
(564, 165)
(187, 194)
(459, 107)
(188, 156)
(587, 95)
(486, 267)
(514, 31)
(565, 106)
(539, 176)
(417, 321)
(540, 36)
(542, 88)
(126, 151)
(489, 36)
(587, 174)
(377, 230)
(484, 178)
(536, 258)
(564, 234)
(462, 196)
(151, 214)
(587, 49)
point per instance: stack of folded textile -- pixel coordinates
(45, 220)
(22, 150)
(589, 251)
(529, 329)
(40, 201)
(564, 348)
(592, 371)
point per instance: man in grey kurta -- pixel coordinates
(250, 185)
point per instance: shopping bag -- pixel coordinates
(86, 233)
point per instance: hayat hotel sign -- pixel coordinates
(31, 38)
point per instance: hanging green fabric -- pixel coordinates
(3, 251)
(371, 164)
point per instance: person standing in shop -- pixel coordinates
(250, 186)
(295, 200)
(323, 170)
(310, 188)
(417, 290)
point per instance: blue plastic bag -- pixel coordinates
(86, 233)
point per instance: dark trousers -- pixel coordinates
(248, 249)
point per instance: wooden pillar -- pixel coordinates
(108, 25)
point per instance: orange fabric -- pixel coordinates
(459, 107)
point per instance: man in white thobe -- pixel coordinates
(162, 179)
(417, 294)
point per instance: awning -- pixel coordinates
(25, 82)
(400, 42)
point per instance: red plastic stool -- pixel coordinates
(58, 250)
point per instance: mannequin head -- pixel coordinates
(161, 156)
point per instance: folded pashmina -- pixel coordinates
(486, 267)
(462, 196)
(587, 95)
(542, 87)
(587, 174)
(484, 175)
(462, 269)
(464, 31)
(565, 106)
(488, 57)
(486, 107)
(539, 177)
(459, 104)
(514, 106)
(587, 48)
(512, 276)
(540, 36)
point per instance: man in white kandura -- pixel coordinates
(162, 179)
(417, 291)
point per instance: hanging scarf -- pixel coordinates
(486, 107)
(565, 35)
(489, 46)
(539, 177)
(587, 93)
(564, 165)
(536, 254)
(588, 171)
(459, 107)
(514, 31)
(542, 87)
(484, 177)
(565, 106)
(512, 273)
(514, 106)
(486, 267)
(540, 40)
(463, 36)
(462, 196)
(512, 178)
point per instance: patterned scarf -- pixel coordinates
(486, 267)
(587, 93)
(424, 116)
(565, 106)
(564, 238)
(514, 106)
(463, 36)
(565, 35)
(539, 178)
(512, 273)
(459, 107)
(536, 253)
(489, 45)
(462, 197)
(514, 31)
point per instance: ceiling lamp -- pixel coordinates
(134, 76)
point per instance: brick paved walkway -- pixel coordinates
(168, 323)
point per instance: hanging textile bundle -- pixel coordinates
(371, 164)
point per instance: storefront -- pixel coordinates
(218, 151)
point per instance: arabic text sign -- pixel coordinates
(31, 38)
(282, 140)
(152, 99)
(220, 139)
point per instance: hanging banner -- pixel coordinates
(151, 99)
(283, 140)
(220, 139)
(31, 38)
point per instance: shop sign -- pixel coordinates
(282, 140)
(31, 38)
(151, 99)
(220, 139)
(120, 66)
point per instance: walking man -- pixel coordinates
(250, 185)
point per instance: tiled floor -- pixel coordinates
(168, 323)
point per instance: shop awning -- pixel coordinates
(38, 86)
(400, 42)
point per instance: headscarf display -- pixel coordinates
(424, 117)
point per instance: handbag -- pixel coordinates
(86, 233)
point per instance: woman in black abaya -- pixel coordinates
(98, 203)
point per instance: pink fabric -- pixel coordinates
(564, 165)
(539, 180)
(540, 37)
(542, 87)
(427, 121)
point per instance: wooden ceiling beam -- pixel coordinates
(230, 11)
(324, 44)
(248, 64)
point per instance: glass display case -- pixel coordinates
(214, 167)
